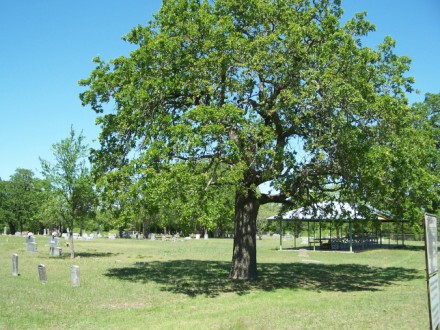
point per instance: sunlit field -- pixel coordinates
(143, 284)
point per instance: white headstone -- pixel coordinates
(74, 275)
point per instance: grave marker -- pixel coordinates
(31, 244)
(74, 276)
(302, 253)
(55, 250)
(15, 264)
(42, 273)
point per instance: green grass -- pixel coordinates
(129, 284)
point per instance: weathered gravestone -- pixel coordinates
(54, 247)
(302, 253)
(42, 273)
(74, 275)
(15, 264)
(31, 244)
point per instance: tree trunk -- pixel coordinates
(244, 256)
(144, 228)
(12, 228)
(72, 247)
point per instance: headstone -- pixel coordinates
(74, 275)
(42, 273)
(205, 236)
(302, 253)
(56, 251)
(5, 231)
(44, 232)
(197, 236)
(153, 236)
(54, 247)
(29, 239)
(31, 247)
(15, 264)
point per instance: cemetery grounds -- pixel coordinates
(183, 284)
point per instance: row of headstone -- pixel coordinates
(54, 245)
(42, 274)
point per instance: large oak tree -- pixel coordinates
(243, 92)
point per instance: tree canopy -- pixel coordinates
(238, 93)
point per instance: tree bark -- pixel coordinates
(72, 247)
(244, 256)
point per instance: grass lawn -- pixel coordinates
(140, 284)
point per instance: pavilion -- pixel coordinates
(337, 212)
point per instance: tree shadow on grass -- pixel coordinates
(210, 278)
(95, 254)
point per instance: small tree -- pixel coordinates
(67, 177)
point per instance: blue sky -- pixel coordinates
(48, 45)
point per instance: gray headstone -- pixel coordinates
(55, 251)
(32, 247)
(74, 275)
(15, 264)
(42, 273)
(302, 253)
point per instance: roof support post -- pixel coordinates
(281, 234)
(350, 235)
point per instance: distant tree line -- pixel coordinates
(68, 196)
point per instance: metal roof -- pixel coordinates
(332, 210)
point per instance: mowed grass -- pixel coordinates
(141, 284)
